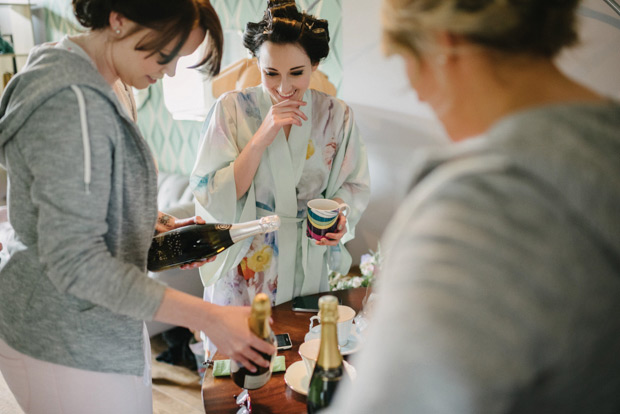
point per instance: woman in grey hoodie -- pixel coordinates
(82, 202)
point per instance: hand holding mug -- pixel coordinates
(326, 221)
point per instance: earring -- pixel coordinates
(117, 31)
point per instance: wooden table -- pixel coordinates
(275, 396)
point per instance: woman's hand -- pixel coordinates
(229, 331)
(166, 222)
(281, 114)
(226, 326)
(332, 239)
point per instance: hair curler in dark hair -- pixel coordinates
(283, 23)
(170, 21)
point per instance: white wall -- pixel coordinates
(369, 77)
(373, 80)
(595, 62)
(394, 125)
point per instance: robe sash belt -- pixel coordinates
(289, 234)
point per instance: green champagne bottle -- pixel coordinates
(328, 369)
(259, 325)
(200, 241)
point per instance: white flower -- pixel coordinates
(369, 265)
(367, 269)
(366, 258)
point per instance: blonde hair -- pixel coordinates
(537, 27)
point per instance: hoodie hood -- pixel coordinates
(48, 71)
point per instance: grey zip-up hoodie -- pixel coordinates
(83, 204)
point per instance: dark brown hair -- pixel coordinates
(283, 23)
(170, 20)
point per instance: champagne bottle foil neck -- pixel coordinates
(270, 223)
(261, 311)
(329, 356)
(328, 309)
(259, 324)
(261, 305)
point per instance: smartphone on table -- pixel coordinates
(283, 341)
(308, 303)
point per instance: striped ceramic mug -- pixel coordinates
(323, 217)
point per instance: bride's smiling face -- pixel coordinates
(285, 70)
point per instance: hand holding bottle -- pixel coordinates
(243, 375)
(189, 245)
(166, 222)
(232, 336)
(226, 326)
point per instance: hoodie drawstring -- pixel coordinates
(85, 137)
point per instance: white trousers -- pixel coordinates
(41, 387)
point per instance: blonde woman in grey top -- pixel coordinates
(501, 284)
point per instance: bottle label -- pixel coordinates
(256, 381)
(220, 226)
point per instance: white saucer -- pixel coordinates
(354, 341)
(296, 376)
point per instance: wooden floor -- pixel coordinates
(179, 393)
(174, 399)
(175, 389)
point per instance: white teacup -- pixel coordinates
(309, 352)
(345, 322)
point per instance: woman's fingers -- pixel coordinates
(286, 119)
(290, 102)
(250, 358)
(290, 111)
(288, 107)
(262, 346)
(332, 239)
(184, 222)
(233, 337)
(197, 263)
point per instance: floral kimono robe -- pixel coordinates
(324, 158)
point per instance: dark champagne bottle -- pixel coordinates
(259, 325)
(329, 368)
(199, 241)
